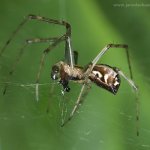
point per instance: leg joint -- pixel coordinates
(117, 45)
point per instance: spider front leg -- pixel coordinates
(53, 45)
(13, 35)
(68, 50)
(37, 18)
(45, 52)
(66, 37)
(21, 52)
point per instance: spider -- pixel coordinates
(102, 75)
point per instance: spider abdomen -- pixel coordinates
(105, 77)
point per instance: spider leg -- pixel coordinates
(12, 36)
(106, 48)
(41, 40)
(84, 91)
(67, 37)
(75, 53)
(45, 52)
(132, 84)
(21, 51)
(69, 54)
(14, 66)
(68, 50)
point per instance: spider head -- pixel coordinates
(55, 73)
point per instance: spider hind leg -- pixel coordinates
(135, 88)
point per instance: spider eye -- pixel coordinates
(55, 72)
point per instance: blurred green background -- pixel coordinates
(104, 121)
